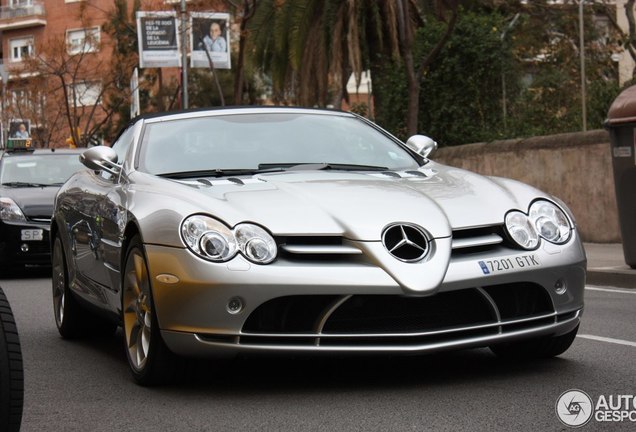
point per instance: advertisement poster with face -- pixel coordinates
(19, 133)
(210, 31)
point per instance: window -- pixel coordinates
(19, 97)
(82, 40)
(16, 3)
(86, 93)
(21, 48)
(27, 102)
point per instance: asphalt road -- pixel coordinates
(85, 385)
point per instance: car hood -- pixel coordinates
(359, 206)
(33, 201)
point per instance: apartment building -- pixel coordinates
(69, 36)
(57, 65)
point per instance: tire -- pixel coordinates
(11, 370)
(545, 347)
(150, 360)
(71, 319)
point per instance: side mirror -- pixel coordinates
(422, 145)
(101, 158)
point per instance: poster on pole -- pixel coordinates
(157, 34)
(211, 31)
(135, 108)
(19, 133)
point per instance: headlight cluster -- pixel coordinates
(213, 241)
(544, 220)
(10, 211)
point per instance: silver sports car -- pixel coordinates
(245, 230)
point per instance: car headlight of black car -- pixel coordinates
(544, 220)
(10, 211)
(214, 241)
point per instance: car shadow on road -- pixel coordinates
(301, 374)
(36, 272)
(253, 374)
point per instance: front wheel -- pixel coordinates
(544, 347)
(150, 361)
(11, 372)
(69, 317)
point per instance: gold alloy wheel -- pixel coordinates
(59, 282)
(137, 309)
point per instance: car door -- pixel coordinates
(98, 227)
(111, 213)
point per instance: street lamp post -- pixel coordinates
(184, 57)
(582, 54)
(504, 104)
(5, 80)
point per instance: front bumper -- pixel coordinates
(17, 250)
(355, 306)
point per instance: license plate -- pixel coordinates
(32, 235)
(501, 265)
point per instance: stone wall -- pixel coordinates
(575, 167)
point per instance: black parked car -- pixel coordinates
(29, 180)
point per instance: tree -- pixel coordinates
(121, 27)
(310, 47)
(74, 80)
(246, 12)
(75, 86)
(627, 37)
(446, 11)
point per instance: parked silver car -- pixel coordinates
(241, 230)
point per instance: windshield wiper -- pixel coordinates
(322, 166)
(24, 184)
(216, 173)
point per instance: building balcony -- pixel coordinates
(30, 14)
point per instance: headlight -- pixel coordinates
(213, 241)
(521, 230)
(208, 238)
(544, 220)
(255, 243)
(10, 211)
(550, 221)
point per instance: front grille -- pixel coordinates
(385, 320)
(478, 240)
(40, 219)
(317, 248)
(393, 314)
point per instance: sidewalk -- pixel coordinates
(606, 266)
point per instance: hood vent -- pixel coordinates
(391, 174)
(416, 173)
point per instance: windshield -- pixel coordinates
(38, 170)
(265, 141)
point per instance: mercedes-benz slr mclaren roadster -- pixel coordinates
(251, 230)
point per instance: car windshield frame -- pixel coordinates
(280, 140)
(32, 170)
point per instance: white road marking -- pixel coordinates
(612, 290)
(609, 340)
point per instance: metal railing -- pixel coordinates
(22, 10)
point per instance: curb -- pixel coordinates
(615, 277)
